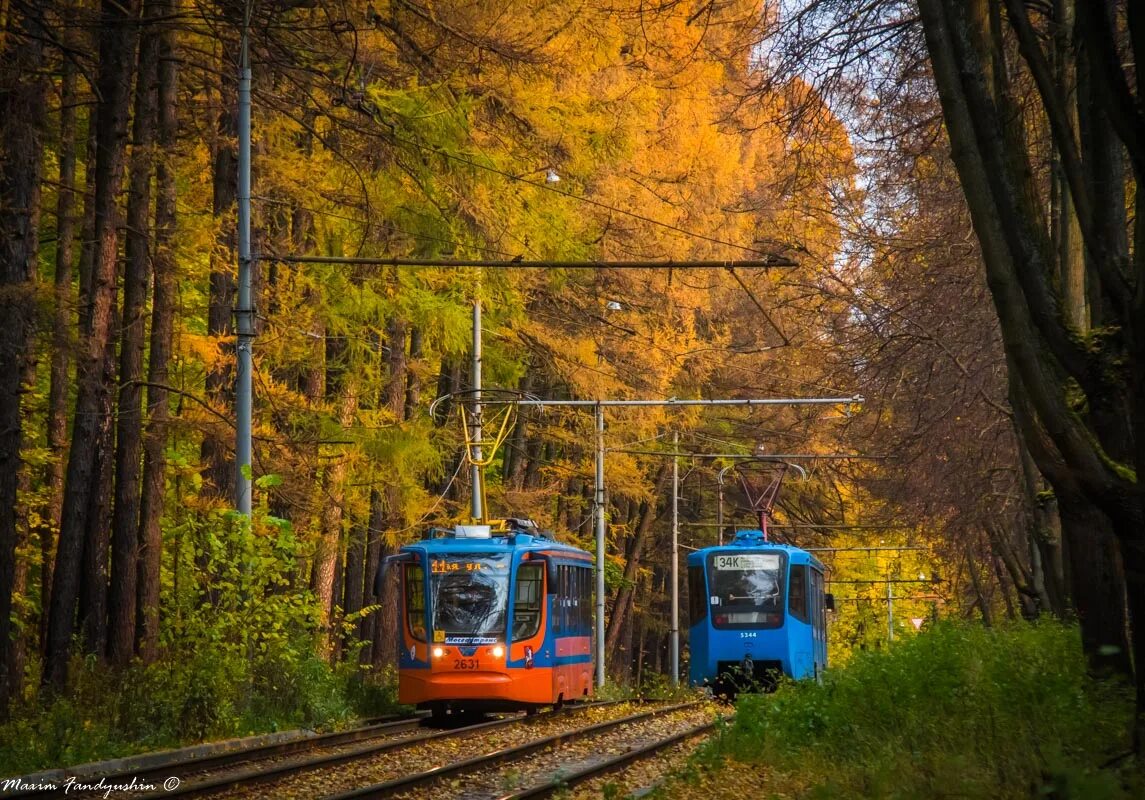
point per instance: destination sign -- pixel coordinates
(440, 566)
(747, 562)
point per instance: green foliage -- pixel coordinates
(613, 691)
(189, 696)
(240, 658)
(959, 711)
(657, 686)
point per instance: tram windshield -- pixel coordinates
(469, 596)
(746, 589)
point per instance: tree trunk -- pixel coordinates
(22, 97)
(386, 518)
(116, 50)
(1071, 256)
(623, 603)
(343, 392)
(413, 375)
(1133, 559)
(979, 592)
(1097, 585)
(93, 579)
(63, 312)
(217, 469)
(371, 626)
(129, 419)
(353, 593)
(162, 330)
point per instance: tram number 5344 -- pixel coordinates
(465, 663)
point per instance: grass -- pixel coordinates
(959, 711)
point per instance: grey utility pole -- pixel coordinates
(598, 407)
(675, 628)
(476, 471)
(599, 510)
(244, 313)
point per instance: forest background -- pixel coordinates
(678, 131)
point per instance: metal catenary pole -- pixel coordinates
(600, 533)
(675, 629)
(477, 473)
(244, 313)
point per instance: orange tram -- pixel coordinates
(494, 618)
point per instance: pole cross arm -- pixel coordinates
(768, 262)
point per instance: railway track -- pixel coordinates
(503, 759)
(187, 768)
(239, 772)
(589, 777)
(550, 764)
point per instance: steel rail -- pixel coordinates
(614, 764)
(146, 773)
(269, 773)
(396, 785)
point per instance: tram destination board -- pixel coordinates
(746, 562)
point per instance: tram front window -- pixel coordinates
(469, 596)
(746, 589)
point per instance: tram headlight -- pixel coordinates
(438, 652)
(498, 651)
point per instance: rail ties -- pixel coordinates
(614, 764)
(157, 768)
(259, 765)
(471, 765)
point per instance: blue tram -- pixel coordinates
(757, 610)
(494, 618)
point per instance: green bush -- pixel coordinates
(188, 697)
(958, 711)
(240, 656)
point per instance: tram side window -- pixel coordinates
(574, 601)
(798, 593)
(559, 601)
(589, 577)
(570, 599)
(567, 590)
(527, 602)
(821, 609)
(697, 595)
(567, 598)
(415, 600)
(816, 601)
(822, 603)
(586, 601)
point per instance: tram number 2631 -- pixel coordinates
(465, 663)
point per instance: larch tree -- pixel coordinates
(22, 102)
(79, 526)
(1078, 393)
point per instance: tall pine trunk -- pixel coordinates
(217, 470)
(116, 53)
(129, 419)
(62, 321)
(22, 96)
(162, 330)
(622, 606)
